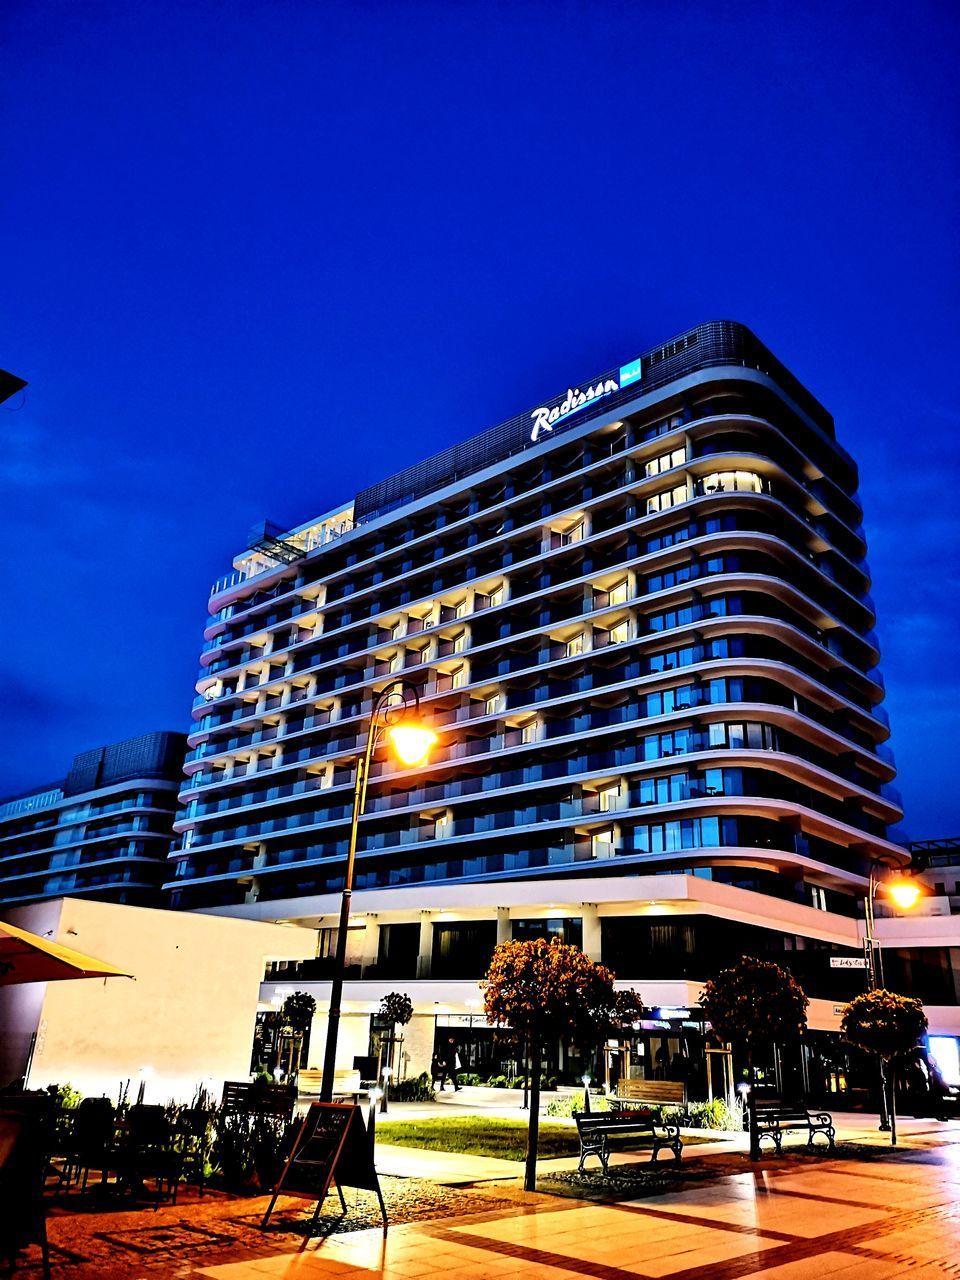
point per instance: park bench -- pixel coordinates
(775, 1118)
(647, 1093)
(597, 1130)
(346, 1083)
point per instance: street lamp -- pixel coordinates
(905, 892)
(395, 715)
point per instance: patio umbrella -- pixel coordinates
(25, 957)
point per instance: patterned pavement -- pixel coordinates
(896, 1217)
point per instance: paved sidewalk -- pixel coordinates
(861, 1220)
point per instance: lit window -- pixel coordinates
(458, 678)
(669, 498)
(665, 461)
(396, 661)
(496, 596)
(620, 633)
(601, 843)
(609, 798)
(492, 705)
(618, 594)
(528, 731)
(575, 646)
(460, 642)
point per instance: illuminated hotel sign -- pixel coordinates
(547, 417)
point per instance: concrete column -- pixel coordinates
(591, 931)
(425, 953)
(504, 931)
(371, 943)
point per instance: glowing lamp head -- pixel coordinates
(411, 741)
(905, 893)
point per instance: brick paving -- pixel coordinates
(781, 1221)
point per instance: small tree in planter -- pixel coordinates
(755, 1003)
(888, 1025)
(297, 1013)
(542, 990)
(396, 1008)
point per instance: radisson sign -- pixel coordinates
(547, 417)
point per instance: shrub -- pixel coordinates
(497, 1082)
(67, 1096)
(468, 1077)
(564, 1107)
(717, 1114)
(249, 1149)
(416, 1089)
(516, 1082)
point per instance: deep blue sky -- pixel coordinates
(256, 255)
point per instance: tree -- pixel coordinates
(755, 1003)
(888, 1025)
(542, 990)
(298, 1010)
(396, 1008)
(297, 1013)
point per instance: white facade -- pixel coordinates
(186, 1018)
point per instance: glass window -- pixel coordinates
(601, 843)
(609, 798)
(575, 646)
(618, 594)
(619, 633)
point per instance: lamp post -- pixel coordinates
(395, 714)
(905, 892)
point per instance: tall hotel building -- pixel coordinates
(638, 618)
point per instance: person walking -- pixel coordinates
(438, 1071)
(453, 1063)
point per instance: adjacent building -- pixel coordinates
(102, 832)
(638, 616)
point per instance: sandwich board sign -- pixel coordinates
(331, 1146)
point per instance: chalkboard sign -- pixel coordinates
(332, 1146)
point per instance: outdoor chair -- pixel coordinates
(23, 1167)
(148, 1151)
(90, 1143)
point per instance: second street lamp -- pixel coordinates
(395, 715)
(905, 892)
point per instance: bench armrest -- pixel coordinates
(821, 1117)
(668, 1130)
